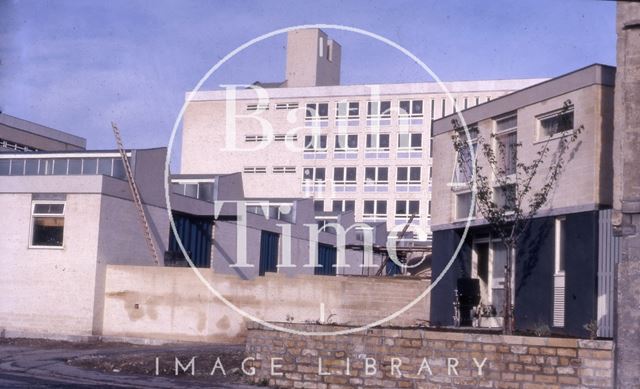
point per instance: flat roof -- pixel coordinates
(581, 78)
(366, 89)
(38, 129)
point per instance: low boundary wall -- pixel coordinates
(425, 359)
(172, 304)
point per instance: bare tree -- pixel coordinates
(507, 194)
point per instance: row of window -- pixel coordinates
(197, 190)
(410, 108)
(506, 142)
(348, 174)
(9, 145)
(275, 138)
(62, 166)
(349, 142)
(375, 208)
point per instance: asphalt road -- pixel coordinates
(26, 363)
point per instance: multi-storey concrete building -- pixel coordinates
(361, 148)
(22, 135)
(563, 267)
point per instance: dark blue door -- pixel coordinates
(269, 252)
(195, 234)
(326, 260)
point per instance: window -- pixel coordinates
(316, 174)
(257, 107)
(506, 196)
(31, 166)
(47, 224)
(376, 175)
(406, 208)
(346, 142)
(507, 144)
(343, 206)
(378, 141)
(348, 110)
(255, 138)
(560, 245)
(104, 166)
(344, 175)
(463, 171)
(279, 211)
(411, 141)
(285, 137)
(555, 123)
(411, 108)
(379, 109)
(408, 175)
(281, 106)
(89, 166)
(315, 143)
(17, 167)
(313, 180)
(202, 190)
(463, 205)
(255, 169)
(284, 169)
(317, 111)
(559, 274)
(375, 209)
(318, 205)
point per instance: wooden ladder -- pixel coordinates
(135, 194)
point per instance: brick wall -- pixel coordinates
(419, 358)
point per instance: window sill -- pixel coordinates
(459, 187)
(46, 247)
(556, 136)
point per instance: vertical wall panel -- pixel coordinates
(608, 256)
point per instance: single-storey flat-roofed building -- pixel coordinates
(69, 214)
(563, 270)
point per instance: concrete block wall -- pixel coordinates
(48, 291)
(174, 305)
(517, 362)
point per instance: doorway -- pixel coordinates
(269, 252)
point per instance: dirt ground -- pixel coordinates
(48, 363)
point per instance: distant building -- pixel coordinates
(22, 135)
(351, 148)
(564, 262)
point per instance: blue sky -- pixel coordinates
(78, 65)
